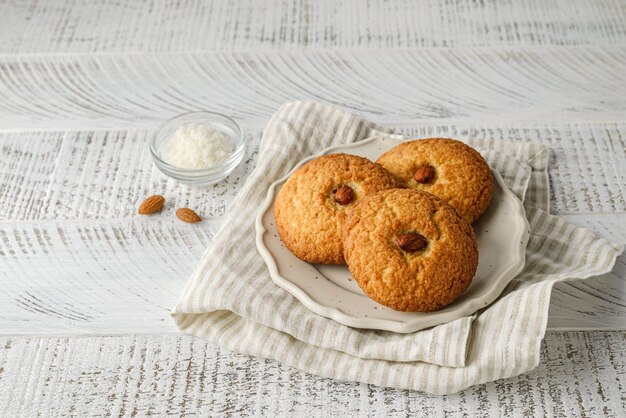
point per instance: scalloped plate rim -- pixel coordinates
(469, 306)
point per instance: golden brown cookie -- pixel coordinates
(409, 250)
(447, 168)
(310, 206)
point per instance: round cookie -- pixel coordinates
(311, 205)
(447, 168)
(409, 250)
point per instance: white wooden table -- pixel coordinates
(86, 285)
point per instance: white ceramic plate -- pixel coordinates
(330, 291)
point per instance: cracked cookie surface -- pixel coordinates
(447, 168)
(311, 205)
(427, 275)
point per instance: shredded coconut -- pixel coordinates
(197, 146)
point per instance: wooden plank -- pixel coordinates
(50, 26)
(98, 174)
(106, 174)
(96, 277)
(27, 163)
(581, 374)
(604, 295)
(548, 84)
(98, 260)
(123, 276)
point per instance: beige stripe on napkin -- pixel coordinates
(231, 300)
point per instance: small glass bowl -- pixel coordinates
(199, 176)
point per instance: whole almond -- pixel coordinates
(151, 204)
(411, 242)
(424, 174)
(344, 195)
(188, 215)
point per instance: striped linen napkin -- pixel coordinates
(231, 299)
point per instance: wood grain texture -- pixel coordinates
(49, 26)
(569, 299)
(98, 175)
(96, 277)
(582, 374)
(103, 174)
(113, 276)
(541, 84)
(76, 255)
(454, 67)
